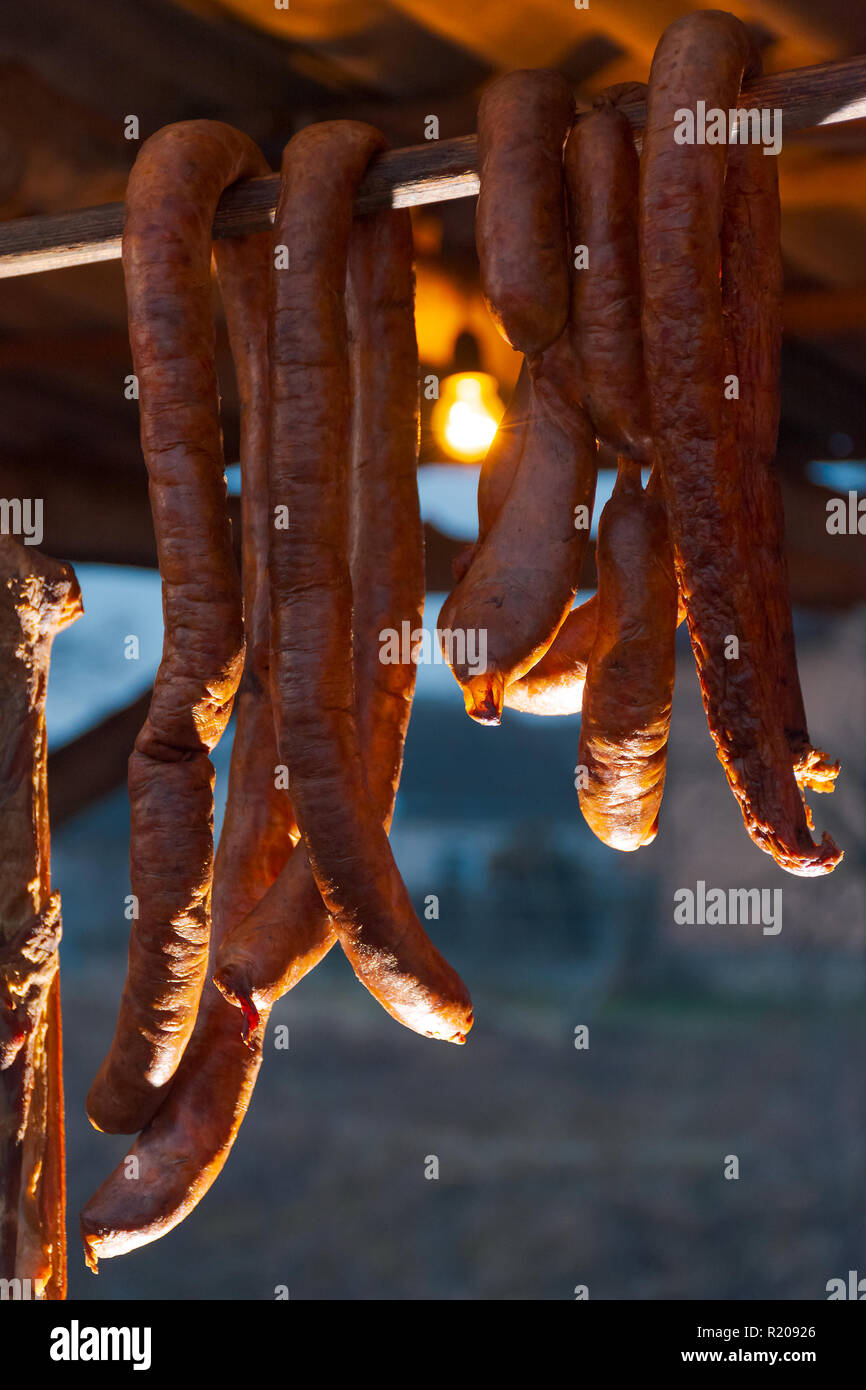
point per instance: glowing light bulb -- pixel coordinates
(466, 416)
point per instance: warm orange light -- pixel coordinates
(466, 415)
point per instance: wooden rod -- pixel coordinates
(430, 173)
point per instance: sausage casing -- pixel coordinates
(311, 605)
(626, 710)
(702, 57)
(184, 1147)
(521, 584)
(752, 308)
(171, 198)
(601, 180)
(523, 119)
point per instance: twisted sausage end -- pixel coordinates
(484, 696)
(822, 860)
(91, 1258)
(816, 771)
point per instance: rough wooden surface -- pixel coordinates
(38, 597)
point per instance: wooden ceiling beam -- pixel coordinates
(304, 21)
(163, 63)
(536, 33)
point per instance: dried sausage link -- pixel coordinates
(751, 303)
(267, 954)
(601, 180)
(499, 467)
(626, 710)
(183, 1149)
(555, 684)
(518, 591)
(523, 119)
(702, 57)
(171, 198)
(311, 605)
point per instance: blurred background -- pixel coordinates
(558, 1166)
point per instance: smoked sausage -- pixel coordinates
(523, 120)
(502, 617)
(626, 711)
(184, 1147)
(752, 308)
(171, 198)
(702, 57)
(601, 180)
(263, 957)
(311, 591)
